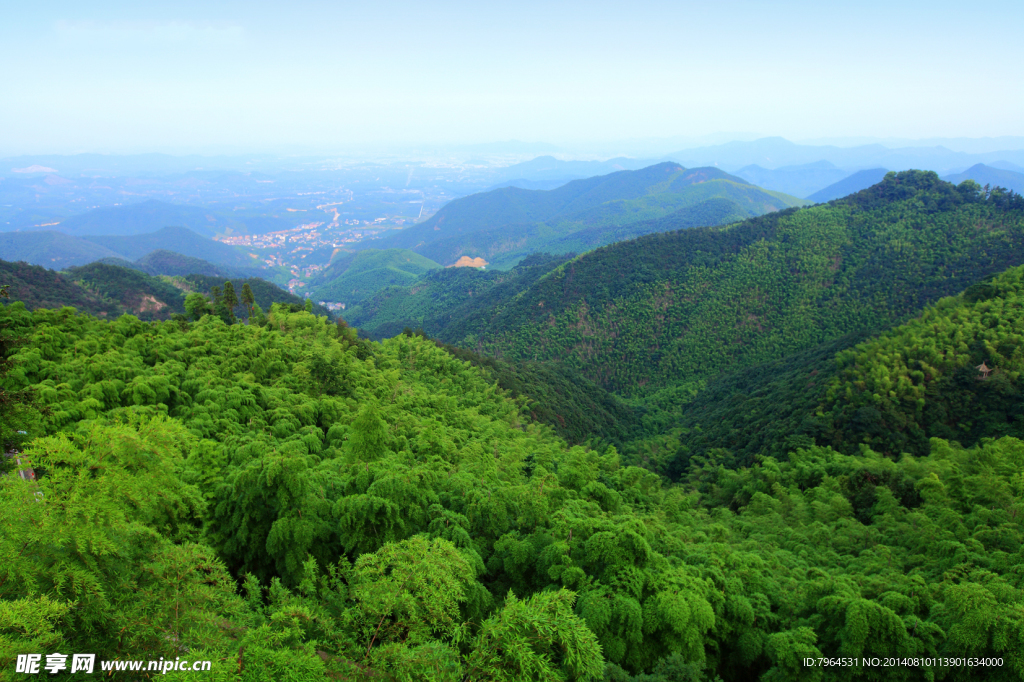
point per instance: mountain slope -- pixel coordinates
(509, 222)
(680, 306)
(354, 277)
(849, 185)
(441, 295)
(98, 289)
(892, 391)
(164, 262)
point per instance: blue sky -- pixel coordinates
(208, 77)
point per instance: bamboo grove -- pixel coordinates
(266, 497)
(293, 502)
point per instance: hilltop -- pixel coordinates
(506, 224)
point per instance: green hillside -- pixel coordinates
(38, 287)
(136, 292)
(354, 277)
(444, 294)
(98, 289)
(676, 307)
(504, 225)
(171, 264)
(921, 380)
(290, 503)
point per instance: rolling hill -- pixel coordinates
(444, 294)
(58, 250)
(164, 262)
(141, 218)
(98, 289)
(678, 307)
(506, 224)
(354, 277)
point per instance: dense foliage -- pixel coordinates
(678, 307)
(894, 392)
(98, 288)
(929, 378)
(391, 513)
(293, 502)
(37, 287)
(264, 293)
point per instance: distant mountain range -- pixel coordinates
(989, 175)
(848, 185)
(148, 216)
(58, 250)
(506, 224)
(980, 173)
(777, 152)
(799, 181)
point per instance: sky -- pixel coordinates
(319, 77)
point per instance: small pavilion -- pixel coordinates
(984, 369)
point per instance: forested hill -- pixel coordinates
(892, 392)
(445, 294)
(351, 278)
(108, 289)
(291, 503)
(507, 223)
(676, 307)
(99, 289)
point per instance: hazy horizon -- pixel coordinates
(187, 77)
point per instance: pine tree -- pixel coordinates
(248, 299)
(230, 298)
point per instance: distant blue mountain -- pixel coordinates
(522, 183)
(180, 240)
(848, 185)
(550, 168)
(777, 152)
(987, 175)
(140, 218)
(798, 181)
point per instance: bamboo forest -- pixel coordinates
(788, 448)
